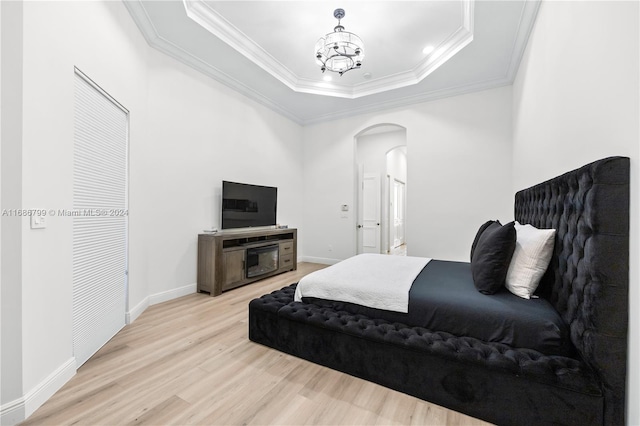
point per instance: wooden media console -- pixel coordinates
(229, 259)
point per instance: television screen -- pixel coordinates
(245, 206)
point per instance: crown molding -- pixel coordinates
(525, 26)
(410, 100)
(144, 23)
(451, 45)
(204, 15)
(149, 32)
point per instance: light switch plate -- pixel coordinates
(38, 222)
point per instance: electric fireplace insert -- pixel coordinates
(261, 260)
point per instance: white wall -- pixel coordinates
(202, 133)
(397, 164)
(371, 149)
(187, 133)
(91, 36)
(11, 235)
(576, 99)
(458, 166)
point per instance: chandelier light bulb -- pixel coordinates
(339, 51)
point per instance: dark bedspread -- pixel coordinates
(444, 298)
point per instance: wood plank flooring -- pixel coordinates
(189, 361)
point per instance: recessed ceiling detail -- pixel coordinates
(264, 49)
(454, 35)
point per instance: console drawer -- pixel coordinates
(286, 248)
(286, 261)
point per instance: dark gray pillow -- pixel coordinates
(480, 231)
(492, 256)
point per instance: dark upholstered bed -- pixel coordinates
(586, 283)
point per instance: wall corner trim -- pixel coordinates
(154, 299)
(137, 310)
(20, 409)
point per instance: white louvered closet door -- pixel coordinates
(99, 221)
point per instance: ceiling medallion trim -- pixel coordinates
(201, 13)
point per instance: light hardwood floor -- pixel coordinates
(189, 361)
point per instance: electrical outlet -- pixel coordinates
(38, 222)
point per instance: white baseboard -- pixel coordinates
(12, 412)
(18, 410)
(321, 260)
(172, 294)
(154, 299)
(135, 312)
(45, 390)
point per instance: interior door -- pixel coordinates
(369, 228)
(101, 135)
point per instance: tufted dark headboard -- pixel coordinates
(588, 278)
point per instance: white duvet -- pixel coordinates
(374, 280)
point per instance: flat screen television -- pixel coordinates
(246, 206)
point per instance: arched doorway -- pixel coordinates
(377, 149)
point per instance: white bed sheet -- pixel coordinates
(373, 280)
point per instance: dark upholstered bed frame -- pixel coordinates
(587, 282)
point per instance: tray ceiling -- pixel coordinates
(264, 49)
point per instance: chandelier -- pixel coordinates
(339, 51)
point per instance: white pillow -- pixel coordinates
(530, 260)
